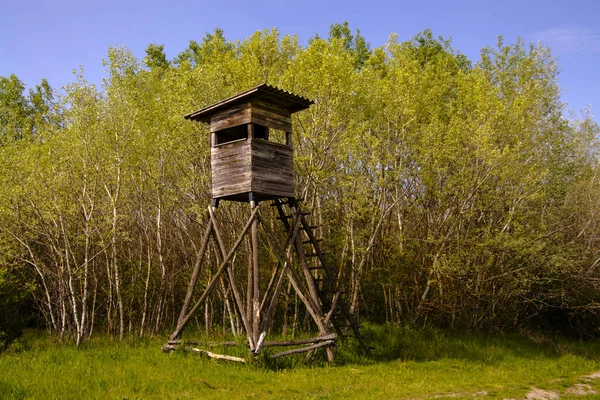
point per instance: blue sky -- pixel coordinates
(50, 39)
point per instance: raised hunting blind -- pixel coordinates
(246, 162)
(252, 161)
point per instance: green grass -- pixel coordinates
(405, 364)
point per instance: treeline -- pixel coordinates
(451, 192)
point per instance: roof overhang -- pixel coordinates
(293, 103)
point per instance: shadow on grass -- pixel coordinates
(392, 343)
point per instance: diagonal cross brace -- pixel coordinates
(183, 322)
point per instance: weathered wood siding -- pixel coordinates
(258, 166)
(271, 115)
(231, 117)
(272, 169)
(231, 169)
(257, 112)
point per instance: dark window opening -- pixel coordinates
(261, 132)
(239, 132)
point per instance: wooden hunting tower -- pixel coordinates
(246, 165)
(252, 161)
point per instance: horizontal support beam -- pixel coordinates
(209, 344)
(304, 349)
(301, 341)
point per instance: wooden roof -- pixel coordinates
(271, 94)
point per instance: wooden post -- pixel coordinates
(181, 324)
(250, 131)
(195, 273)
(249, 290)
(255, 276)
(236, 294)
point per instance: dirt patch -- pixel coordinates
(539, 394)
(595, 375)
(581, 389)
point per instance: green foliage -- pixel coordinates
(451, 192)
(156, 57)
(21, 116)
(356, 45)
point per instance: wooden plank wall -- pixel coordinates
(231, 169)
(258, 112)
(231, 117)
(272, 169)
(270, 115)
(259, 166)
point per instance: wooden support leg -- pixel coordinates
(249, 288)
(255, 279)
(196, 272)
(236, 293)
(313, 308)
(181, 324)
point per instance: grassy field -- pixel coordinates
(405, 364)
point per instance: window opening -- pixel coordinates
(277, 136)
(228, 135)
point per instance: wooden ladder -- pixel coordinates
(323, 275)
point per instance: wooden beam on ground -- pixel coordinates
(304, 349)
(209, 344)
(168, 348)
(300, 341)
(218, 356)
